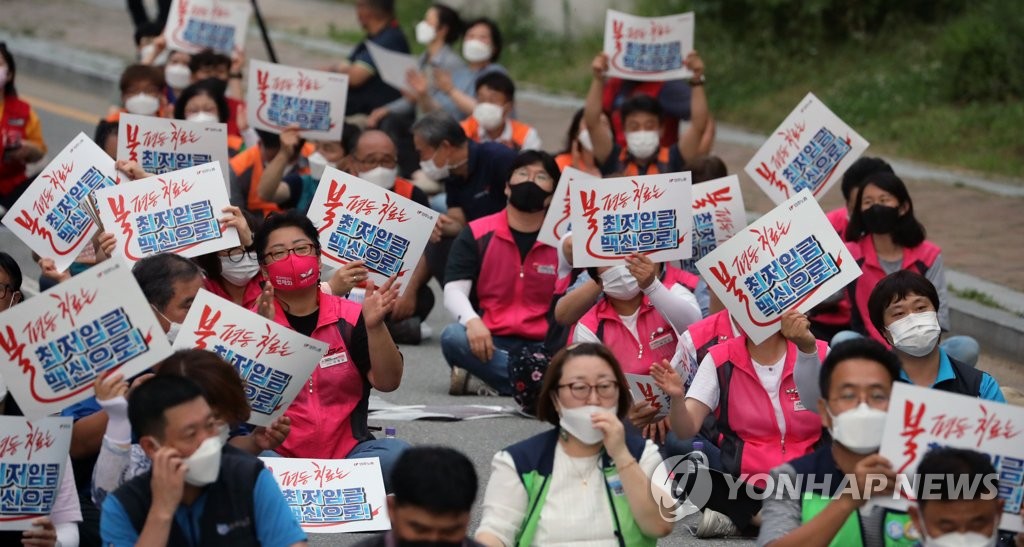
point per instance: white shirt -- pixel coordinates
(573, 513)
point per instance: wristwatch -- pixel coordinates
(694, 82)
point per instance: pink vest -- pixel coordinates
(675, 275)
(750, 438)
(709, 332)
(657, 337)
(513, 295)
(918, 259)
(323, 425)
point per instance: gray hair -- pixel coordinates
(157, 274)
(438, 127)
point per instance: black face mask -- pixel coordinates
(880, 219)
(409, 543)
(528, 197)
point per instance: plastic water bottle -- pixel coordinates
(389, 433)
(691, 463)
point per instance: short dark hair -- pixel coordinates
(104, 129)
(9, 90)
(438, 479)
(546, 411)
(157, 274)
(208, 58)
(533, 157)
(9, 265)
(149, 401)
(574, 131)
(498, 81)
(449, 19)
(895, 287)
(218, 380)
(144, 73)
(908, 232)
(640, 103)
(941, 470)
(706, 167)
(496, 40)
(269, 140)
(350, 134)
(438, 127)
(859, 348)
(860, 170)
(387, 7)
(210, 262)
(276, 221)
(211, 87)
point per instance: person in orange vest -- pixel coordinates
(643, 124)
(21, 135)
(143, 92)
(579, 149)
(491, 119)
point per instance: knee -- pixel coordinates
(962, 348)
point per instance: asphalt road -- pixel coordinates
(65, 112)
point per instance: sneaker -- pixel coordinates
(426, 333)
(459, 379)
(715, 525)
(476, 386)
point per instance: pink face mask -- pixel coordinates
(294, 272)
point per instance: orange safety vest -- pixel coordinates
(403, 188)
(519, 131)
(248, 167)
(631, 169)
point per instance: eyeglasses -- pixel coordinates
(306, 249)
(388, 162)
(6, 290)
(581, 391)
(873, 399)
(541, 176)
(236, 255)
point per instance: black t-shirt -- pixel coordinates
(374, 93)
(464, 259)
(525, 241)
(304, 324)
(482, 191)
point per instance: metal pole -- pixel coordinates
(263, 32)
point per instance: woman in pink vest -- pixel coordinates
(751, 390)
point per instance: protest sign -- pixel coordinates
(54, 216)
(56, 344)
(718, 213)
(280, 96)
(613, 218)
(556, 221)
(648, 49)
(358, 220)
(32, 458)
(810, 151)
(393, 66)
(333, 496)
(175, 212)
(272, 359)
(921, 419)
(790, 258)
(195, 25)
(644, 389)
(162, 145)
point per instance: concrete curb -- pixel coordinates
(996, 330)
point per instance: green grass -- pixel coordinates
(891, 87)
(982, 298)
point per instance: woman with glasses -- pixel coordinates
(586, 481)
(234, 274)
(329, 414)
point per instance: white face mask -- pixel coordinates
(619, 284)
(960, 539)
(425, 33)
(178, 76)
(576, 422)
(204, 463)
(916, 334)
(203, 117)
(585, 142)
(317, 165)
(172, 329)
(643, 144)
(239, 273)
(142, 104)
(434, 171)
(476, 51)
(224, 433)
(859, 429)
(490, 115)
(381, 176)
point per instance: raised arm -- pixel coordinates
(690, 140)
(600, 136)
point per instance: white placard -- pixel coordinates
(32, 458)
(273, 360)
(556, 221)
(54, 215)
(162, 145)
(175, 212)
(644, 389)
(56, 344)
(195, 25)
(790, 258)
(393, 66)
(718, 213)
(810, 151)
(613, 218)
(280, 96)
(920, 418)
(333, 496)
(648, 49)
(358, 220)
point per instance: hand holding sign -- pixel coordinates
(648, 48)
(796, 328)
